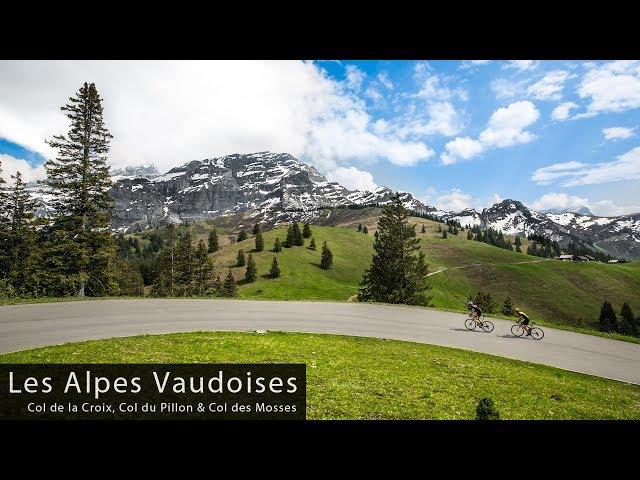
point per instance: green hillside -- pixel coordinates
(551, 292)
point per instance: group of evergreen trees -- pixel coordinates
(73, 251)
(627, 324)
(543, 247)
(363, 229)
(491, 237)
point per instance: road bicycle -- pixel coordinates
(472, 322)
(519, 330)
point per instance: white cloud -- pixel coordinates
(443, 119)
(563, 111)
(503, 88)
(435, 88)
(570, 174)
(170, 112)
(614, 133)
(462, 148)
(373, 94)
(521, 65)
(550, 86)
(612, 87)
(562, 201)
(606, 208)
(495, 198)
(384, 79)
(454, 201)
(354, 77)
(467, 64)
(507, 125)
(505, 128)
(350, 137)
(559, 201)
(352, 178)
(11, 165)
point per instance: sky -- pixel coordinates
(456, 134)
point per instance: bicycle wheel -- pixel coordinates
(537, 333)
(517, 330)
(487, 326)
(470, 323)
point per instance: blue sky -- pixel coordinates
(553, 134)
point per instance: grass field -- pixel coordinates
(551, 292)
(365, 378)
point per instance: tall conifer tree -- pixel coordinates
(398, 274)
(78, 180)
(214, 245)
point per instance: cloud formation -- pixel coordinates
(615, 133)
(506, 127)
(571, 174)
(170, 112)
(11, 165)
(352, 178)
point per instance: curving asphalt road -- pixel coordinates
(24, 326)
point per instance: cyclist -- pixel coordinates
(475, 310)
(524, 319)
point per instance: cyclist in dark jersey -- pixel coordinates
(475, 310)
(524, 319)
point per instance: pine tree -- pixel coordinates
(359, 227)
(628, 324)
(507, 307)
(256, 229)
(312, 244)
(21, 246)
(365, 230)
(608, 319)
(214, 245)
(397, 273)
(259, 242)
(5, 260)
(469, 235)
(298, 239)
(242, 236)
(277, 246)
(326, 258)
(455, 231)
(274, 271)
(79, 182)
(439, 228)
(252, 271)
(165, 283)
(184, 263)
(423, 229)
(288, 241)
(306, 230)
(444, 234)
(240, 260)
(202, 270)
(217, 286)
(229, 287)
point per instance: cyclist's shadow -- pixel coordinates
(467, 330)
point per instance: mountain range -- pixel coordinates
(273, 188)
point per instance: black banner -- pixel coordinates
(153, 391)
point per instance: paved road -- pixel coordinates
(24, 326)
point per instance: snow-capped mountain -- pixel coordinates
(273, 188)
(263, 185)
(620, 236)
(583, 210)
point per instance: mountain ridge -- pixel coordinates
(274, 188)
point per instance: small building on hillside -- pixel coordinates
(566, 258)
(614, 260)
(581, 258)
(590, 258)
